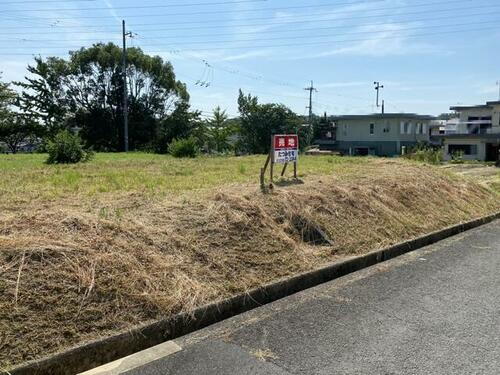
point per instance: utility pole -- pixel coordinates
(310, 134)
(498, 84)
(311, 89)
(377, 88)
(125, 88)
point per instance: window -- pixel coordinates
(345, 130)
(479, 125)
(419, 129)
(372, 129)
(406, 127)
(465, 149)
(387, 127)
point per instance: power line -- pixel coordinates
(189, 5)
(134, 6)
(336, 41)
(277, 45)
(275, 31)
(267, 9)
(286, 16)
(332, 35)
(325, 27)
(371, 32)
(43, 1)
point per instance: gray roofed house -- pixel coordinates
(387, 134)
(475, 133)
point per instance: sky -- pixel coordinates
(428, 54)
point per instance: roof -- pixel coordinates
(384, 116)
(488, 105)
(465, 107)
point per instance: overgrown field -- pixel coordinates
(93, 249)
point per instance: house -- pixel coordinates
(387, 134)
(474, 134)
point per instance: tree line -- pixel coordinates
(83, 94)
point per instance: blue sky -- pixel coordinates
(428, 54)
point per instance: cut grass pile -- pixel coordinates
(77, 263)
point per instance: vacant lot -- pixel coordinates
(93, 249)
(486, 174)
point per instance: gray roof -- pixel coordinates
(379, 116)
(464, 107)
(488, 105)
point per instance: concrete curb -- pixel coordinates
(97, 353)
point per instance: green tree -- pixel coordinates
(219, 130)
(7, 99)
(18, 129)
(15, 128)
(260, 121)
(43, 97)
(182, 123)
(85, 92)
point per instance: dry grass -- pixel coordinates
(83, 266)
(484, 173)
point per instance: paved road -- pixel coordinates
(434, 311)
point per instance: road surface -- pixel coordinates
(433, 311)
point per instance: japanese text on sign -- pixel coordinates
(286, 149)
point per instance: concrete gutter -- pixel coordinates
(97, 353)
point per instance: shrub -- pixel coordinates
(67, 148)
(184, 148)
(457, 157)
(425, 154)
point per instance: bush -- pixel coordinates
(457, 157)
(67, 148)
(184, 148)
(426, 154)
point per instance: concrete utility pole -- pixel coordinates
(498, 84)
(125, 89)
(311, 89)
(378, 87)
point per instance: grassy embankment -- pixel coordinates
(93, 249)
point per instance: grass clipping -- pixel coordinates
(69, 274)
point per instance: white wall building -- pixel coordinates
(474, 133)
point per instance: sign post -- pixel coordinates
(284, 150)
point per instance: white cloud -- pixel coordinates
(488, 89)
(343, 84)
(387, 40)
(112, 10)
(244, 56)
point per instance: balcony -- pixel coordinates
(479, 127)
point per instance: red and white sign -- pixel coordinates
(285, 148)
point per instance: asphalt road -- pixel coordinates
(433, 311)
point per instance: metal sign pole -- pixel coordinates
(284, 169)
(271, 153)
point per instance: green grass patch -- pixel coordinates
(27, 177)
